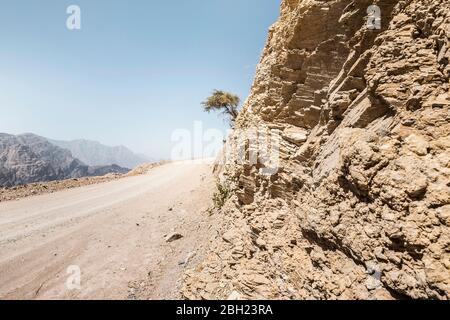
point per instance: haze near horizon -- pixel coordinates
(133, 74)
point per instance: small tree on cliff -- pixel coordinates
(223, 101)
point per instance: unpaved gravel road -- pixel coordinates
(114, 232)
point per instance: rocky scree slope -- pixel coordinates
(360, 205)
(29, 158)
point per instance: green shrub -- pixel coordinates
(221, 196)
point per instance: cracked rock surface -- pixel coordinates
(360, 205)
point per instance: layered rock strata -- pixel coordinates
(359, 207)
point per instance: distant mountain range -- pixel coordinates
(29, 158)
(94, 153)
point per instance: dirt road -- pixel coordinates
(112, 235)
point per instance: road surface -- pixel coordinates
(107, 241)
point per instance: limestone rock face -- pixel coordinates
(359, 207)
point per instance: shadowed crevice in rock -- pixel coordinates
(363, 120)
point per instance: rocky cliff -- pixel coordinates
(359, 207)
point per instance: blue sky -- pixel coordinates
(136, 70)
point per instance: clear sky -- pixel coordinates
(136, 71)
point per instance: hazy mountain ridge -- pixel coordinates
(94, 153)
(29, 158)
